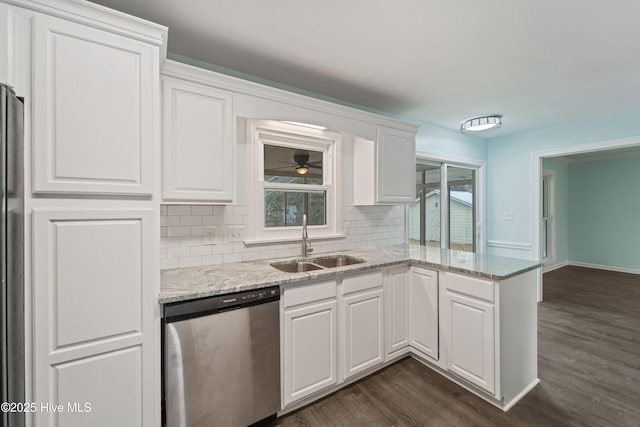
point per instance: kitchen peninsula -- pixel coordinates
(471, 317)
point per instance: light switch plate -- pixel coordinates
(508, 215)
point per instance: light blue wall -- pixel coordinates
(560, 168)
(604, 213)
(444, 144)
(509, 172)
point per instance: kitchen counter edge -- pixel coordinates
(187, 283)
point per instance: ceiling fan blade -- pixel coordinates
(292, 167)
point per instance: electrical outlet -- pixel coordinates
(508, 215)
(236, 233)
(210, 236)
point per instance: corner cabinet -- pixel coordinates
(309, 356)
(489, 334)
(95, 97)
(384, 172)
(397, 320)
(423, 311)
(198, 147)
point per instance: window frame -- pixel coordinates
(295, 136)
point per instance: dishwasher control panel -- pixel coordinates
(247, 297)
(182, 310)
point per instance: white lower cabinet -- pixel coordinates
(326, 332)
(310, 339)
(489, 331)
(468, 324)
(423, 311)
(397, 311)
(94, 298)
(479, 332)
(362, 322)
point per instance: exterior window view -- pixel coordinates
(293, 169)
(425, 223)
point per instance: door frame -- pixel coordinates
(536, 183)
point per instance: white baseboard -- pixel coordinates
(554, 266)
(604, 267)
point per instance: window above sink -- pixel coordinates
(292, 170)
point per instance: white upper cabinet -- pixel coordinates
(95, 97)
(384, 170)
(198, 144)
(395, 165)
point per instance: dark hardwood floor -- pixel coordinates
(589, 367)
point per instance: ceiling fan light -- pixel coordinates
(302, 170)
(478, 124)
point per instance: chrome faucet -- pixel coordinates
(305, 246)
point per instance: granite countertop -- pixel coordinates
(180, 284)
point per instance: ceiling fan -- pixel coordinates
(302, 163)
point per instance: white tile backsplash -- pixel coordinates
(181, 231)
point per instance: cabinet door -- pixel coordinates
(14, 48)
(395, 165)
(469, 332)
(423, 311)
(95, 98)
(197, 142)
(397, 300)
(310, 350)
(362, 331)
(94, 304)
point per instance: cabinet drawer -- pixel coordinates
(362, 282)
(309, 293)
(479, 288)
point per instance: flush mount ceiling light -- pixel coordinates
(477, 124)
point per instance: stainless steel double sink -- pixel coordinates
(318, 263)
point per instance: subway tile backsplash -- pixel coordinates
(182, 228)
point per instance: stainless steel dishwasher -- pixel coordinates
(221, 360)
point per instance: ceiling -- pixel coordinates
(536, 62)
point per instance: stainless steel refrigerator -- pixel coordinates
(12, 255)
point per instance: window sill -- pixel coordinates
(268, 240)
